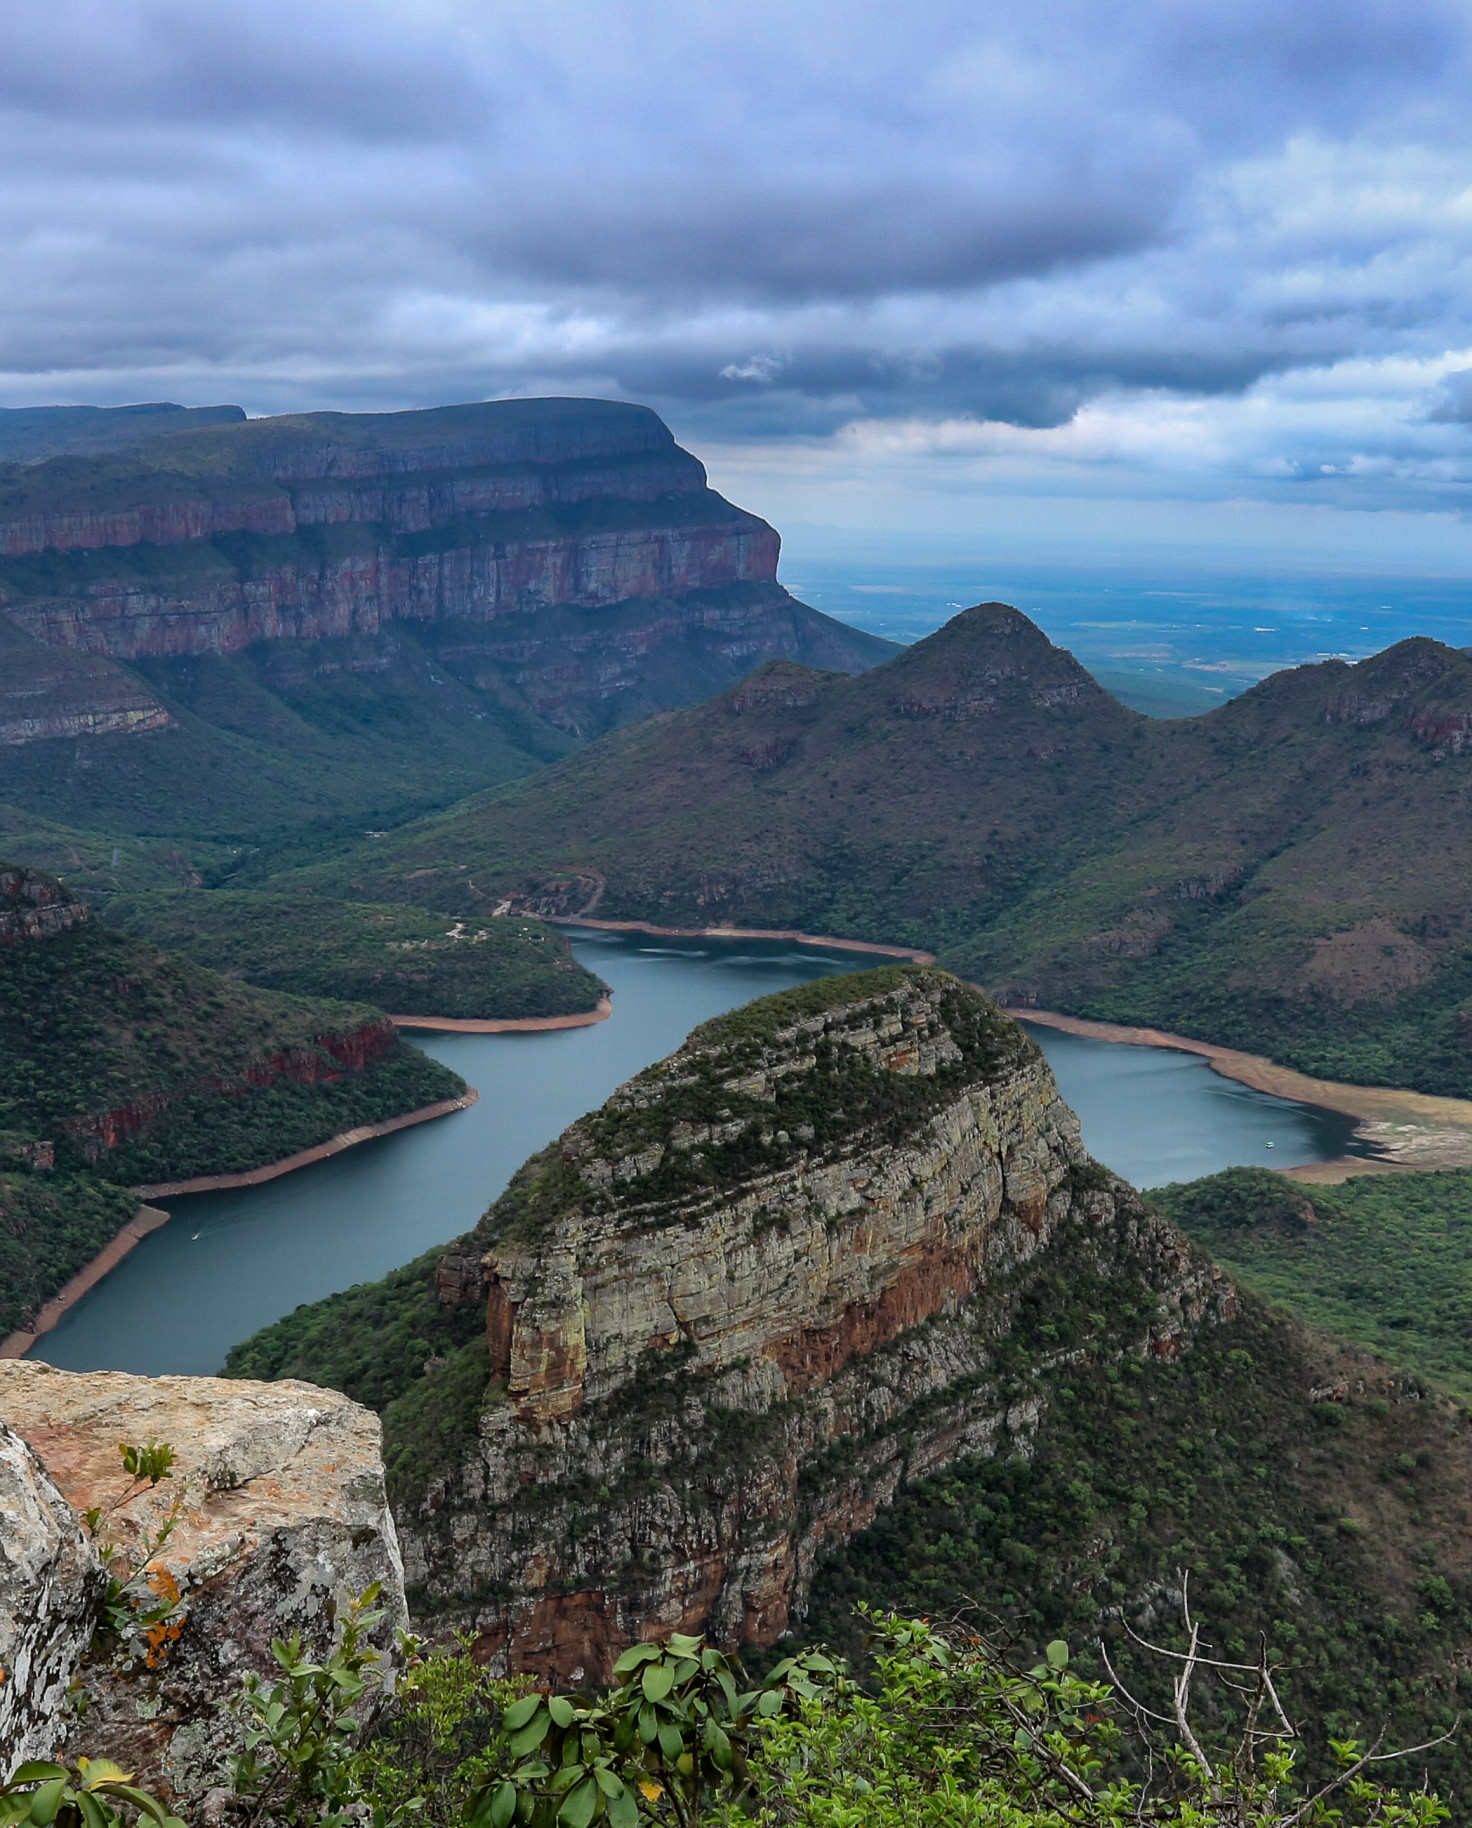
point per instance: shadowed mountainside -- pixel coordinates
(1286, 873)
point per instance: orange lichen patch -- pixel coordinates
(927, 1285)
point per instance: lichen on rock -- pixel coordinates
(50, 1583)
(279, 1519)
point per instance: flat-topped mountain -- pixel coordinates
(369, 614)
(1286, 873)
(28, 434)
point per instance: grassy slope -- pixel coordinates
(1287, 873)
(1382, 1260)
(405, 960)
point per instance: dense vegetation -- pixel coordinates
(405, 960)
(371, 1341)
(51, 1225)
(1285, 873)
(1332, 1530)
(244, 1126)
(1385, 1260)
(101, 1034)
(738, 1122)
(142, 1066)
(293, 748)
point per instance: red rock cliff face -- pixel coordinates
(336, 524)
(332, 1054)
(758, 1292)
(33, 906)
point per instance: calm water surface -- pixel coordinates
(232, 1262)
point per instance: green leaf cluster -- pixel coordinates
(96, 1794)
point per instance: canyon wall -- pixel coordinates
(328, 525)
(730, 1313)
(279, 1520)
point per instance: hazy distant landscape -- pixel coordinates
(1170, 642)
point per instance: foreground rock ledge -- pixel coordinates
(282, 1517)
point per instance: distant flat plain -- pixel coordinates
(1169, 643)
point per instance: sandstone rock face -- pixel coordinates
(50, 1582)
(34, 906)
(731, 1312)
(280, 1517)
(332, 525)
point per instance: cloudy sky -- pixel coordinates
(1181, 274)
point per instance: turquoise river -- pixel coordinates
(228, 1263)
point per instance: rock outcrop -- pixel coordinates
(50, 1582)
(280, 1518)
(731, 1312)
(35, 906)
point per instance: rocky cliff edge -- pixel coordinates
(280, 1517)
(731, 1312)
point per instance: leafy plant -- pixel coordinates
(96, 1794)
(669, 1741)
(142, 1607)
(303, 1761)
(953, 1736)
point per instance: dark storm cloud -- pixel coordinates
(776, 217)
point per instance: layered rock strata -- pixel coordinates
(329, 525)
(279, 1519)
(731, 1312)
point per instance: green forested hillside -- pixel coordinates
(1286, 873)
(406, 960)
(153, 1068)
(52, 1223)
(1384, 1260)
(289, 744)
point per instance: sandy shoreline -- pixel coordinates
(517, 1025)
(911, 953)
(145, 1220)
(1413, 1130)
(150, 1218)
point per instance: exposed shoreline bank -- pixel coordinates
(1413, 1131)
(912, 953)
(508, 1025)
(1410, 1131)
(145, 1220)
(345, 1139)
(150, 1218)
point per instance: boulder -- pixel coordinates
(50, 1582)
(278, 1517)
